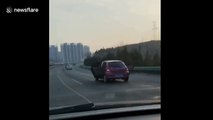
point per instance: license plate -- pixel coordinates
(119, 75)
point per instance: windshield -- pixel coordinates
(84, 33)
(116, 64)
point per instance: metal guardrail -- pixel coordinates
(147, 68)
(136, 69)
(85, 67)
(155, 70)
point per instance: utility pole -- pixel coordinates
(154, 30)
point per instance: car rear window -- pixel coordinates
(116, 64)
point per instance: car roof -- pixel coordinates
(112, 61)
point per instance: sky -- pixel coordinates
(103, 23)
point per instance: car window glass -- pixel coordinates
(104, 65)
(116, 64)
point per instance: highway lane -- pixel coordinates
(78, 86)
(59, 93)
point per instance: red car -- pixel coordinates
(111, 69)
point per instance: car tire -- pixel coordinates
(126, 79)
(105, 79)
(96, 78)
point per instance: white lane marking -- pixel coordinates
(72, 89)
(83, 73)
(156, 97)
(89, 74)
(76, 71)
(91, 78)
(76, 81)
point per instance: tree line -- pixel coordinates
(133, 57)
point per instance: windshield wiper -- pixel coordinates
(69, 109)
(92, 106)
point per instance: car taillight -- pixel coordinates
(107, 70)
(127, 71)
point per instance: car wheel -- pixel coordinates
(96, 78)
(105, 79)
(126, 79)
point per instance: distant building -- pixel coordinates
(59, 59)
(53, 53)
(75, 60)
(64, 50)
(73, 53)
(86, 51)
(72, 49)
(80, 51)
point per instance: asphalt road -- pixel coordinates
(78, 86)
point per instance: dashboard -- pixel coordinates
(145, 112)
(139, 117)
